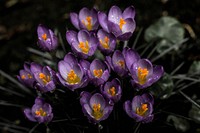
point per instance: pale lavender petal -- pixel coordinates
(71, 37)
(98, 99)
(115, 14)
(103, 21)
(75, 20)
(129, 12)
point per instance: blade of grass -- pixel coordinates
(137, 37)
(40, 53)
(11, 91)
(5, 103)
(177, 68)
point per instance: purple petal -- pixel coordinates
(95, 22)
(114, 14)
(129, 12)
(103, 21)
(74, 19)
(158, 72)
(136, 102)
(145, 63)
(70, 59)
(36, 68)
(54, 41)
(97, 64)
(29, 114)
(41, 29)
(148, 98)
(128, 109)
(85, 97)
(114, 28)
(64, 68)
(129, 26)
(97, 99)
(106, 112)
(83, 36)
(71, 36)
(125, 36)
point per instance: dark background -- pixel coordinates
(18, 23)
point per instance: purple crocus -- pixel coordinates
(98, 72)
(44, 76)
(47, 40)
(40, 112)
(117, 63)
(73, 73)
(26, 77)
(95, 107)
(112, 90)
(140, 108)
(82, 43)
(107, 42)
(144, 74)
(121, 24)
(86, 19)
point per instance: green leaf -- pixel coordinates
(168, 30)
(194, 68)
(163, 88)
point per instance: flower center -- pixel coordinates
(142, 75)
(142, 110)
(84, 47)
(96, 111)
(121, 63)
(105, 43)
(88, 23)
(40, 112)
(24, 76)
(72, 77)
(112, 91)
(44, 78)
(98, 72)
(121, 23)
(44, 36)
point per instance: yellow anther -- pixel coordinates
(142, 110)
(72, 78)
(97, 112)
(23, 77)
(44, 36)
(112, 91)
(142, 75)
(121, 63)
(40, 112)
(98, 72)
(29, 76)
(84, 47)
(45, 78)
(88, 23)
(105, 43)
(121, 23)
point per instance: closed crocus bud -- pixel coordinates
(47, 40)
(98, 72)
(86, 19)
(141, 108)
(44, 76)
(121, 24)
(82, 43)
(112, 91)
(95, 107)
(40, 112)
(144, 74)
(26, 77)
(73, 73)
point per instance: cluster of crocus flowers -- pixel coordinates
(80, 68)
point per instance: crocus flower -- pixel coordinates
(112, 91)
(44, 76)
(40, 112)
(117, 63)
(47, 40)
(144, 74)
(107, 42)
(98, 72)
(26, 77)
(82, 43)
(73, 73)
(95, 107)
(140, 108)
(122, 25)
(86, 19)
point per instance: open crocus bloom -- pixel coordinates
(72, 73)
(44, 76)
(86, 19)
(40, 112)
(82, 43)
(47, 40)
(117, 63)
(95, 107)
(144, 74)
(107, 42)
(121, 24)
(26, 77)
(112, 91)
(140, 108)
(98, 72)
